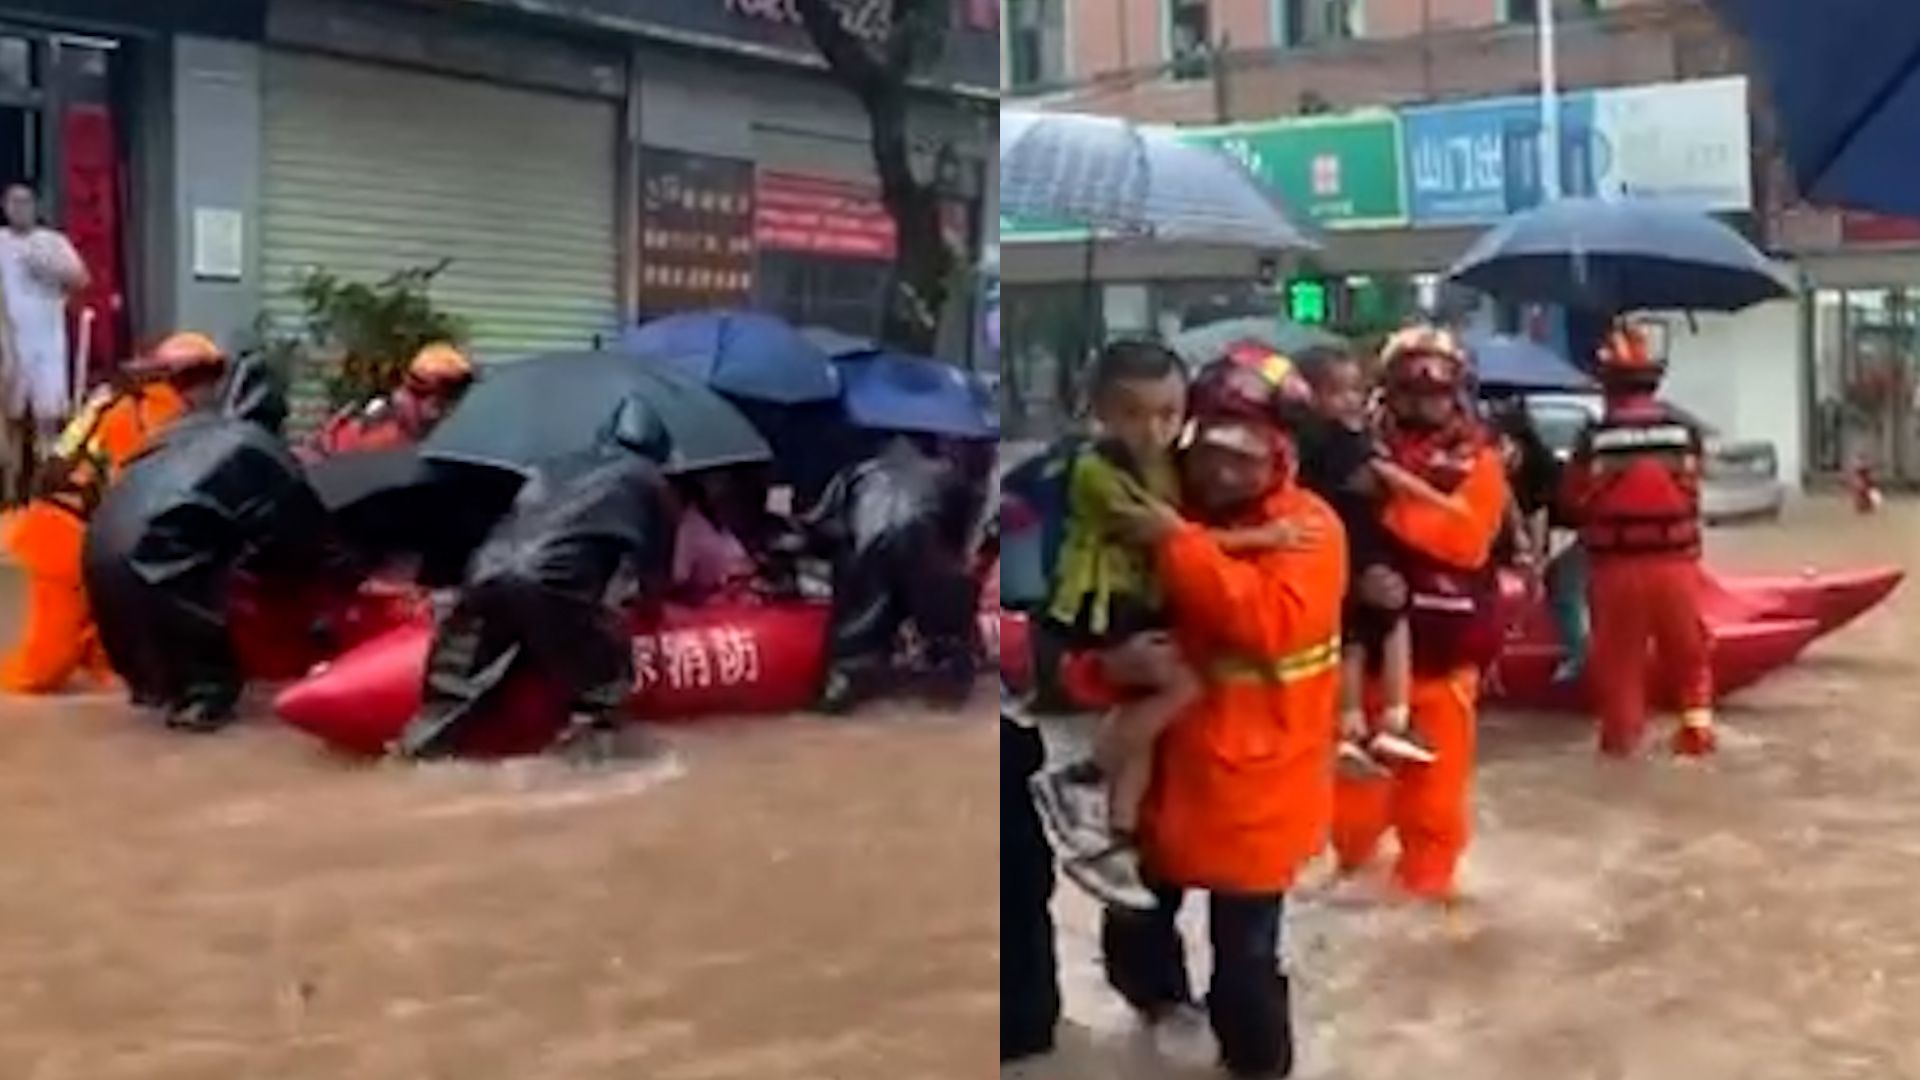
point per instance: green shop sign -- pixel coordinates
(1337, 172)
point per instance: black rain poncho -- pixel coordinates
(901, 527)
(537, 592)
(216, 490)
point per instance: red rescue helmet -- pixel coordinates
(1626, 361)
(1249, 392)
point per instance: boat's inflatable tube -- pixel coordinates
(713, 661)
(1751, 640)
(281, 632)
(1832, 600)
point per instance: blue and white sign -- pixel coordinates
(1476, 162)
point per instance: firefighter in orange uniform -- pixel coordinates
(58, 637)
(1242, 793)
(1633, 488)
(1441, 574)
(435, 381)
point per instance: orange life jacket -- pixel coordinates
(1638, 474)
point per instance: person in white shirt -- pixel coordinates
(39, 270)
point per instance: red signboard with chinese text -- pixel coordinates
(1859, 227)
(818, 216)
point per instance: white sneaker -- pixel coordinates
(1072, 813)
(1354, 763)
(1396, 746)
(1113, 878)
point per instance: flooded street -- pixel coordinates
(1749, 919)
(798, 901)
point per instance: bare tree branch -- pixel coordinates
(878, 74)
(845, 53)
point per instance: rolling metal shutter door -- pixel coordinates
(371, 170)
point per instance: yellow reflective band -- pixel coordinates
(1292, 668)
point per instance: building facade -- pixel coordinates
(577, 165)
(1404, 127)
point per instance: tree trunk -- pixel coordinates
(923, 264)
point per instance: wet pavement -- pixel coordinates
(1747, 919)
(807, 900)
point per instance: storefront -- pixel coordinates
(1863, 361)
(758, 188)
(68, 100)
(390, 159)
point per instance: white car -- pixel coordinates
(1742, 479)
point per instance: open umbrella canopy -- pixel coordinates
(1502, 363)
(547, 407)
(1203, 345)
(887, 391)
(387, 502)
(746, 354)
(1845, 81)
(1108, 174)
(1614, 257)
(835, 343)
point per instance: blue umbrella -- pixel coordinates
(1511, 363)
(747, 355)
(888, 391)
(1614, 257)
(1845, 81)
(835, 342)
(1108, 174)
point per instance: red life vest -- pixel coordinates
(1646, 493)
(1452, 614)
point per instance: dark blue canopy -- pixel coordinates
(1511, 363)
(1845, 81)
(887, 391)
(740, 353)
(1613, 257)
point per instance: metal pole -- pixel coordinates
(1550, 187)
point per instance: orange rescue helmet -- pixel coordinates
(184, 354)
(439, 369)
(1626, 361)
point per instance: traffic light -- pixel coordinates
(1307, 302)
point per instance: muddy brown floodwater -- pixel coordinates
(1750, 919)
(804, 900)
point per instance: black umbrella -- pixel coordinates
(1615, 257)
(394, 502)
(548, 407)
(1845, 76)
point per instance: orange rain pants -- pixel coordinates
(1427, 805)
(57, 637)
(1638, 601)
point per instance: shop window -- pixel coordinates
(1866, 398)
(1527, 11)
(1037, 43)
(17, 74)
(1318, 22)
(840, 294)
(1190, 38)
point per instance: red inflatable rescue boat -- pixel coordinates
(1833, 600)
(759, 659)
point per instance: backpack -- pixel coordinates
(1040, 485)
